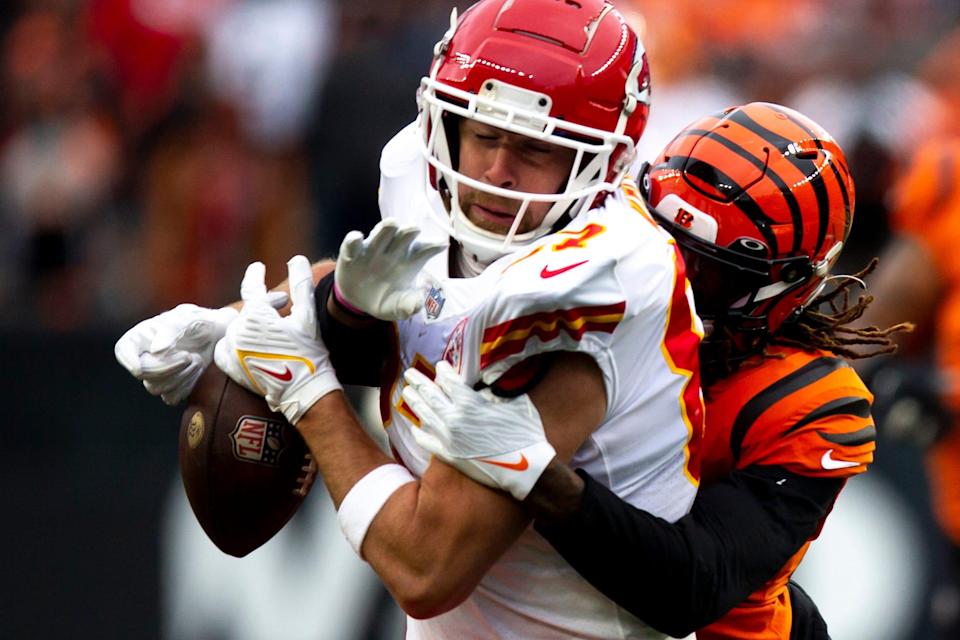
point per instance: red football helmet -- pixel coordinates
(568, 72)
(760, 199)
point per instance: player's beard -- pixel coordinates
(508, 206)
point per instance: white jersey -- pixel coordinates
(606, 285)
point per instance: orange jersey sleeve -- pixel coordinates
(807, 412)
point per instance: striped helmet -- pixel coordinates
(761, 200)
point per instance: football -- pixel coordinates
(245, 469)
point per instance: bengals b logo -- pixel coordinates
(684, 219)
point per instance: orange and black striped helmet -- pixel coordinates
(760, 199)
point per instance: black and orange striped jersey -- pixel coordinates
(805, 412)
(926, 207)
(782, 436)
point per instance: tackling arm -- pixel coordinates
(739, 533)
(357, 345)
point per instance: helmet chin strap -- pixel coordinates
(816, 293)
(823, 268)
(843, 276)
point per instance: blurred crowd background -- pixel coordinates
(150, 149)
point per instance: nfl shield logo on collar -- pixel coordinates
(434, 303)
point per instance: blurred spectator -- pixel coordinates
(58, 165)
(919, 280)
(369, 96)
(142, 44)
(225, 179)
(212, 204)
(269, 60)
(939, 71)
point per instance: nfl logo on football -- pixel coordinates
(434, 303)
(257, 440)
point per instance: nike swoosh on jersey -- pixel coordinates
(547, 272)
(520, 465)
(829, 463)
(285, 376)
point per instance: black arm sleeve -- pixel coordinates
(807, 623)
(357, 354)
(680, 577)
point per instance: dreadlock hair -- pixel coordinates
(823, 324)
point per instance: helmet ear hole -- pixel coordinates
(750, 247)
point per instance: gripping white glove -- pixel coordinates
(377, 275)
(170, 351)
(279, 358)
(497, 442)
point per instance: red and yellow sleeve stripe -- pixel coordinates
(507, 338)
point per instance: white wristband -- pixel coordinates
(365, 499)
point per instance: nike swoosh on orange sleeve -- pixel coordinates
(830, 463)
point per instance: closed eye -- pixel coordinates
(539, 149)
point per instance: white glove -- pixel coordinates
(279, 358)
(378, 274)
(170, 351)
(497, 442)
